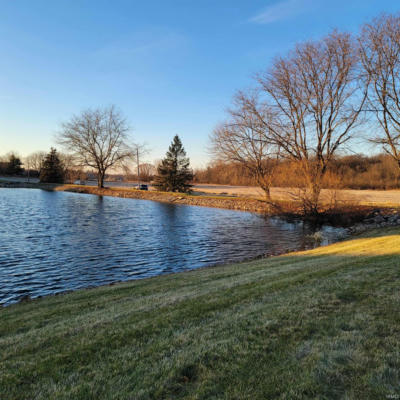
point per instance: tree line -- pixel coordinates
(52, 167)
(346, 172)
(308, 105)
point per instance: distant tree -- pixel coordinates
(173, 173)
(72, 171)
(14, 165)
(147, 171)
(33, 162)
(52, 168)
(98, 139)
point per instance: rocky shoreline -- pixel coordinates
(378, 218)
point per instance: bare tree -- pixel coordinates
(146, 172)
(245, 139)
(315, 94)
(34, 161)
(72, 168)
(98, 139)
(380, 54)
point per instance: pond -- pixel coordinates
(51, 242)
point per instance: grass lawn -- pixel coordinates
(318, 324)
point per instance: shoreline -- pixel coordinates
(354, 217)
(229, 203)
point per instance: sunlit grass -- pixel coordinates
(382, 243)
(317, 324)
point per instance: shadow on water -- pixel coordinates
(52, 242)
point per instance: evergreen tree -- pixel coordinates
(14, 166)
(174, 174)
(52, 169)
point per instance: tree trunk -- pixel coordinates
(315, 192)
(313, 178)
(100, 179)
(267, 193)
(265, 185)
(398, 173)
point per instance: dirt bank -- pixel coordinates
(357, 216)
(252, 205)
(231, 203)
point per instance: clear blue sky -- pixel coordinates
(171, 66)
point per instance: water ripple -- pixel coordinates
(52, 242)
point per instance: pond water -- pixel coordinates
(52, 242)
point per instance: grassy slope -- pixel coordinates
(318, 324)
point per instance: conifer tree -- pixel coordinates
(52, 170)
(14, 165)
(174, 174)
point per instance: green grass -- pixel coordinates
(322, 324)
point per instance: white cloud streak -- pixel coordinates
(142, 46)
(280, 11)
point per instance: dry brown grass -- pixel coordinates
(381, 198)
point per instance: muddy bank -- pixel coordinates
(252, 205)
(231, 203)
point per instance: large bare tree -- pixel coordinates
(98, 139)
(245, 139)
(380, 54)
(315, 94)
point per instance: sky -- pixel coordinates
(170, 66)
